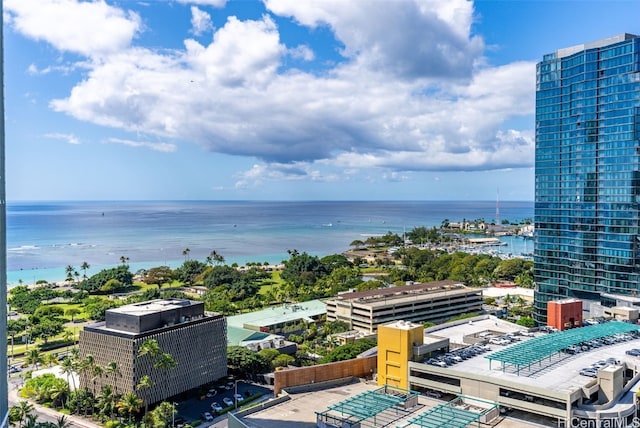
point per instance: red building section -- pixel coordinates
(564, 314)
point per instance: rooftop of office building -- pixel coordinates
(153, 306)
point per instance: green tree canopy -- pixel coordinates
(189, 271)
(302, 269)
(283, 360)
(245, 362)
(97, 281)
(509, 269)
(348, 351)
(47, 328)
(159, 275)
(221, 275)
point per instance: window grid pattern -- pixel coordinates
(587, 174)
(199, 349)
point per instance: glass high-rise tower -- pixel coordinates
(587, 174)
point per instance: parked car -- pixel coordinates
(437, 363)
(238, 397)
(635, 352)
(571, 349)
(215, 406)
(589, 372)
(228, 401)
(207, 416)
(433, 394)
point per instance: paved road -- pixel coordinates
(45, 414)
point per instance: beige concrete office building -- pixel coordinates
(196, 341)
(433, 301)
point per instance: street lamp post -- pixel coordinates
(235, 395)
(173, 414)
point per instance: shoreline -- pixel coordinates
(58, 274)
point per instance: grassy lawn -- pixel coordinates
(275, 282)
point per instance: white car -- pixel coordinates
(238, 397)
(217, 407)
(228, 401)
(207, 416)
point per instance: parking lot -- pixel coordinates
(194, 408)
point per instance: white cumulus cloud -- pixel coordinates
(200, 21)
(416, 96)
(87, 28)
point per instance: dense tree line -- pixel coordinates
(471, 269)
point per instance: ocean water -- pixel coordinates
(44, 237)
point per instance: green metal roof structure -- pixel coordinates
(367, 405)
(453, 414)
(444, 416)
(304, 311)
(537, 349)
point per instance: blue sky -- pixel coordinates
(282, 99)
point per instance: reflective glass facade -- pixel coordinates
(587, 172)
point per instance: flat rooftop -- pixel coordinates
(153, 306)
(476, 325)
(300, 411)
(279, 314)
(399, 289)
(559, 373)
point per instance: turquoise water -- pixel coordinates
(44, 237)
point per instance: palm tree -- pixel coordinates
(124, 259)
(185, 253)
(31, 422)
(62, 422)
(129, 403)
(84, 266)
(97, 373)
(68, 368)
(34, 357)
(67, 335)
(161, 360)
(165, 362)
(113, 369)
(217, 258)
(145, 383)
(58, 392)
(50, 359)
(69, 270)
(106, 401)
(22, 411)
(149, 347)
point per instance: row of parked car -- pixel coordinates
(454, 357)
(507, 339)
(592, 370)
(597, 343)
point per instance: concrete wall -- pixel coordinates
(395, 350)
(564, 314)
(357, 367)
